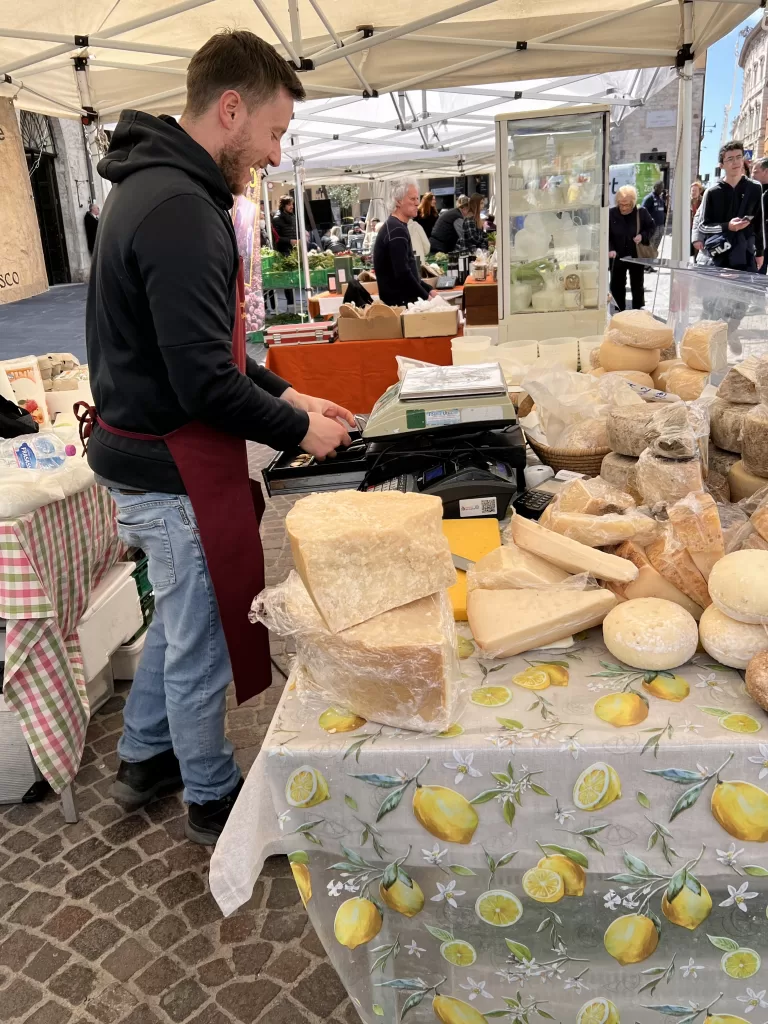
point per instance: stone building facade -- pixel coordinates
(749, 123)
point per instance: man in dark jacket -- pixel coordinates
(733, 207)
(760, 174)
(656, 205)
(160, 326)
(284, 224)
(447, 230)
(91, 223)
(393, 257)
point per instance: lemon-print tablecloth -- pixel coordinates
(587, 844)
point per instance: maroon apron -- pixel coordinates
(228, 506)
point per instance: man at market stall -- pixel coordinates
(397, 270)
(176, 398)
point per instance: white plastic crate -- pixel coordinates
(113, 616)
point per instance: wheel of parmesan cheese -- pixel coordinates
(651, 633)
(730, 642)
(627, 357)
(738, 585)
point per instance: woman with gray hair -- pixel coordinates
(628, 224)
(397, 273)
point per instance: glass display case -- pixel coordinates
(552, 238)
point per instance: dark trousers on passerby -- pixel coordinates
(619, 272)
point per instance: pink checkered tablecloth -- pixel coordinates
(50, 561)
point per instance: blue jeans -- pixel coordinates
(178, 696)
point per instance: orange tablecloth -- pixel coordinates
(352, 373)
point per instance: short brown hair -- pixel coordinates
(729, 147)
(236, 59)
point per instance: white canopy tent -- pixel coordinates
(95, 57)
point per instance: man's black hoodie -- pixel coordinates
(161, 309)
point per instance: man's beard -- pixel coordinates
(235, 167)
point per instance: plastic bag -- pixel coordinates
(510, 568)
(24, 490)
(405, 363)
(592, 496)
(564, 399)
(680, 431)
(754, 441)
(665, 479)
(602, 531)
(399, 668)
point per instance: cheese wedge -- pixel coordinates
(696, 524)
(593, 497)
(511, 568)
(649, 582)
(601, 531)
(472, 539)
(507, 622)
(570, 554)
(670, 558)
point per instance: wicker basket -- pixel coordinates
(578, 460)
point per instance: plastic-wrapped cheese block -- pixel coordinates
(738, 385)
(669, 433)
(627, 357)
(731, 642)
(661, 372)
(594, 358)
(399, 668)
(585, 435)
(705, 345)
(507, 622)
(756, 679)
(743, 484)
(717, 485)
(650, 633)
(641, 329)
(666, 479)
(620, 472)
(720, 460)
(649, 582)
(759, 520)
(685, 382)
(725, 423)
(360, 554)
(738, 585)
(672, 559)
(626, 427)
(511, 568)
(569, 554)
(645, 380)
(593, 497)
(733, 519)
(761, 380)
(602, 531)
(696, 524)
(754, 441)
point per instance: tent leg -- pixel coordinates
(267, 211)
(298, 166)
(681, 210)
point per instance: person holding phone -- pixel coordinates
(732, 209)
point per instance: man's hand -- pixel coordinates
(434, 293)
(738, 223)
(637, 238)
(612, 254)
(698, 246)
(321, 406)
(324, 436)
(759, 261)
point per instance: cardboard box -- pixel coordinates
(435, 324)
(378, 329)
(481, 303)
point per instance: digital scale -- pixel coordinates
(447, 430)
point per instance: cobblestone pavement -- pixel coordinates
(110, 921)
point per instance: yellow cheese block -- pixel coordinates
(472, 539)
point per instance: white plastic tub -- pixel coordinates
(113, 616)
(125, 660)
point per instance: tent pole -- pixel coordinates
(681, 215)
(267, 211)
(301, 231)
(89, 131)
(339, 43)
(293, 14)
(36, 58)
(262, 7)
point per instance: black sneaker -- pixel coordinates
(139, 782)
(205, 822)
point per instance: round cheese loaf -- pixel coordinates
(627, 357)
(626, 428)
(731, 642)
(636, 377)
(754, 440)
(705, 344)
(641, 330)
(743, 484)
(725, 422)
(757, 679)
(720, 460)
(650, 633)
(620, 471)
(685, 382)
(738, 585)
(662, 371)
(735, 387)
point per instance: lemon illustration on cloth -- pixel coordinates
(334, 720)
(465, 648)
(621, 709)
(598, 1011)
(742, 810)
(491, 696)
(631, 939)
(665, 688)
(357, 922)
(543, 885)
(688, 909)
(741, 963)
(573, 875)
(306, 787)
(498, 907)
(725, 1018)
(405, 899)
(558, 674)
(596, 787)
(444, 813)
(736, 722)
(451, 731)
(533, 679)
(299, 862)
(458, 952)
(455, 1011)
